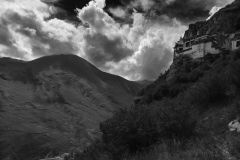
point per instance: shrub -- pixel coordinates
(176, 89)
(234, 145)
(195, 75)
(233, 74)
(179, 78)
(236, 54)
(210, 89)
(161, 91)
(130, 131)
(205, 67)
(140, 127)
(94, 152)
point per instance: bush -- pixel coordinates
(233, 74)
(140, 127)
(205, 67)
(195, 75)
(236, 54)
(179, 78)
(176, 89)
(210, 89)
(161, 91)
(130, 131)
(95, 151)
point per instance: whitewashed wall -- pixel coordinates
(199, 50)
(211, 50)
(227, 44)
(234, 45)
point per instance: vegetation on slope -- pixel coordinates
(54, 103)
(184, 114)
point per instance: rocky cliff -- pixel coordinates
(226, 20)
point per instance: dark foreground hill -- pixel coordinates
(54, 103)
(183, 115)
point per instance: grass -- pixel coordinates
(184, 117)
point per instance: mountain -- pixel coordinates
(144, 82)
(226, 20)
(54, 103)
(184, 114)
(188, 112)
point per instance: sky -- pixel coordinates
(130, 38)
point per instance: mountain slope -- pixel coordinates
(185, 113)
(54, 103)
(226, 20)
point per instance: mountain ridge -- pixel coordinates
(59, 100)
(185, 113)
(226, 20)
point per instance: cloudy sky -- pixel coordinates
(130, 38)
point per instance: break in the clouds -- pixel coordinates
(140, 50)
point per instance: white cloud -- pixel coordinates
(219, 5)
(118, 12)
(154, 51)
(213, 11)
(105, 40)
(29, 35)
(138, 51)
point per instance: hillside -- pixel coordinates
(182, 115)
(226, 20)
(54, 103)
(185, 113)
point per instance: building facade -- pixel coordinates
(235, 40)
(199, 46)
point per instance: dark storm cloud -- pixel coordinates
(68, 5)
(190, 10)
(101, 49)
(68, 8)
(71, 5)
(186, 11)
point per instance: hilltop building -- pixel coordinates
(201, 45)
(235, 40)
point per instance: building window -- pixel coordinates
(238, 44)
(192, 43)
(187, 44)
(180, 49)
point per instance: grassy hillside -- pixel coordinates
(54, 103)
(183, 115)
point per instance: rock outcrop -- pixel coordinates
(226, 20)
